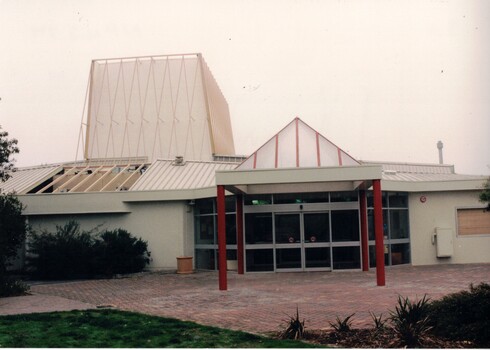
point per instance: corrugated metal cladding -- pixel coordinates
(166, 175)
(415, 177)
(415, 168)
(25, 179)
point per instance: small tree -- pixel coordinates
(485, 194)
(12, 229)
(8, 147)
(12, 225)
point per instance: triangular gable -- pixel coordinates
(297, 146)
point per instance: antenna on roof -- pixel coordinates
(439, 147)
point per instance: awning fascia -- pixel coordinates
(342, 178)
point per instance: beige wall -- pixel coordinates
(167, 226)
(439, 210)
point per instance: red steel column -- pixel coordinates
(239, 234)
(222, 238)
(364, 231)
(378, 233)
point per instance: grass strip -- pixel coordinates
(121, 329)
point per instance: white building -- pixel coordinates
(158, 145)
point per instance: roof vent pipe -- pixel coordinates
(439, 147)
(179, 160)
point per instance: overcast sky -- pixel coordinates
(384, 80)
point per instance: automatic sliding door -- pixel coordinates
(302, 241)
(288, 242)
(316, 241)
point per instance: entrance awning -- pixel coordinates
(300, 180)
(294, 180)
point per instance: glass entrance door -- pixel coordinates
(288, 242)
(302, 241)
(316, 242)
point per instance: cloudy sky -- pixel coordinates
(384, 80)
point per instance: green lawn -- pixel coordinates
(120, 329)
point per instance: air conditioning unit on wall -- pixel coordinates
(443, 240)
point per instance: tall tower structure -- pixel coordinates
(156, 107)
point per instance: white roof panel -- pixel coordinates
(23, 180)
(167, 175)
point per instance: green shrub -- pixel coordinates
(464, 315)
(64, 254)
(295, 328)
(342, 325)
(378, 322)
(410, 321)
(11, 287)
(119, 252)
(71, 253)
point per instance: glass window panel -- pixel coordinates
(288, 198)
(204, 206)
(258, 228)
(287, 228)
(345, 225)
(400, 254)
(399, 223)
(370, 199)
(372, 256)
(317, 257)
(370, 214)
(346, 196)
(346, 258)
(205, 229)
(288, 258)
(292, 198)
(316, 227)
(398, 199)
(231, 254)
(230, 228)
(230, 204)
(205, 259)
(258, 199)
(260, 260)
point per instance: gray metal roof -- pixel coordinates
(166, 175)
(416, 172)
(23, 180)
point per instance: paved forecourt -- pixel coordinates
(260, 302)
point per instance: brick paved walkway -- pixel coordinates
(261, 302)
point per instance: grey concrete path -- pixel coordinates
(261, 302)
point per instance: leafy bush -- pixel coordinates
(342, 325)
(71, 253)
(118, 252)
(464, 315)
(11, 287)
(295, 328)
(65, 254)
(13, 229)
(410, 321)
